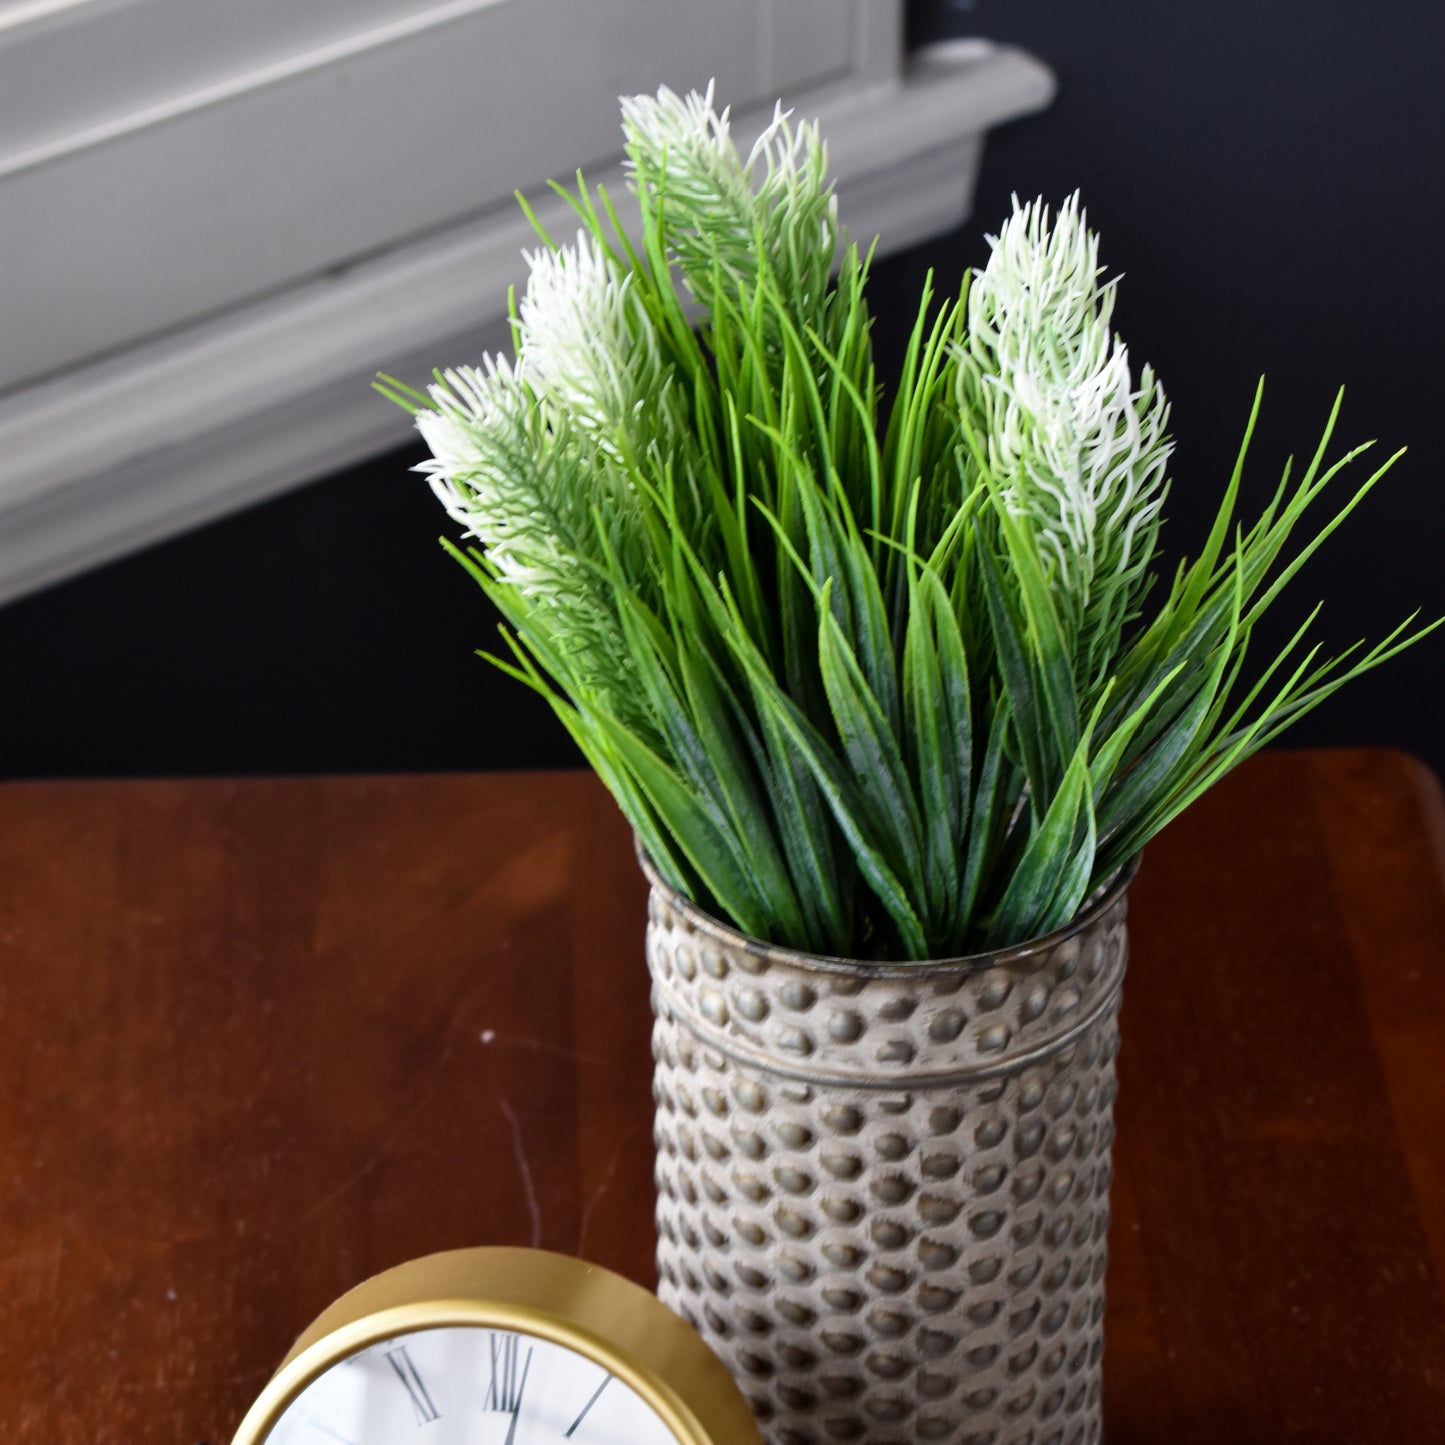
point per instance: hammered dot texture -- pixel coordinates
(883, 1192)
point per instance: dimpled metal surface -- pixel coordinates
(883, 1190)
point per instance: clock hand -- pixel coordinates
(517, 1400)
(571, 1429)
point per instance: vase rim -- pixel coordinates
(1106, 896)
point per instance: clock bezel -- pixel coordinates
(619, 1326)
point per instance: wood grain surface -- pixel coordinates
(261, 1039)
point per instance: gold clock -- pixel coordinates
(499, 1347)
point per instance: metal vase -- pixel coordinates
(883, 1190)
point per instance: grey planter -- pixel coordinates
(883, 1189)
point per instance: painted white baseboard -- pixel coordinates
(125, 451)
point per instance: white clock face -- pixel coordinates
(462, 1385)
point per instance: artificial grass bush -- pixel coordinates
(884, 677)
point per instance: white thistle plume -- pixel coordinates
(721, 210)
(1073, 445)
(489, 465)
(592, 351)
(516, 479)
(474, 407)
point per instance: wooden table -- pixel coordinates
(260, 1039)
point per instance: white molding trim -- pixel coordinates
(166, 435)
(248, 83)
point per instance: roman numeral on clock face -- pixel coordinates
(509, 1374)
(421, 1401)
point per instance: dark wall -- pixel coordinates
(1266, 176)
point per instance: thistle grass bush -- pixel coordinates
(877, 677)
